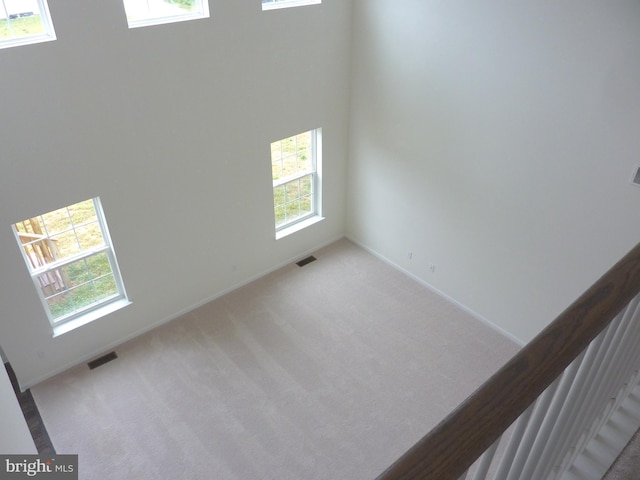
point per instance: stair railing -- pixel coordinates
(555, 394)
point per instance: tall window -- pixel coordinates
(295, 170)
(23, 22)
(142, 13)
(274, 4)
(70, 258)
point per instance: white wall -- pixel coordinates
(496, 140)
(15, 437)
(170, 125)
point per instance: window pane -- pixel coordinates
(71, 230)
(60, 305)
(52, 282)
(38, 252)
(288, 146)
(304, 162)
(56, 221)
(293, 210)
(303, 141)
(21, 27)
(83, 296)
(276, 170)
(306, 205)
(78, 285)
(20, 18)
(77, 273)
(87, 269)
(99, 265)
(105, 287)
(31, 225)
(289, 165)
(82, 212)
(292, 190)
(280, 215)
(276, 151)
(305, 185)
(65, 244)
(90, 236)
(278, 195)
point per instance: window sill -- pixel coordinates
(89, 317)
(288, 4)
(27, 40)
(149, 22)
(298, 226)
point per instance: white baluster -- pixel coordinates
(514, 442)
(544, 437)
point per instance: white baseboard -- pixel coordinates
(440, 293)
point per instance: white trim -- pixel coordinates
(297, 226)
(474, 314)
(90, 316)
(50, 267)
(292, 178)
(201, 10)
(278, 4)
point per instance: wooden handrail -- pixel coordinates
(455, 443)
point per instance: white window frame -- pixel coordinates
(200, 11)
(47, 35)
(277, 4)
(91, 312)
(315, 215)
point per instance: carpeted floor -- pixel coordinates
(627, 465)
(327, 371)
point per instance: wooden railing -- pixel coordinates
(477, 424)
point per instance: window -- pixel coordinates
(23, 22)
(72, 263)
(295, 168)
(142, 13)
(274, 4)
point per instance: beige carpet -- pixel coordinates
(328, 371)
(627, 465)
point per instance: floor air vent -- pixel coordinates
(102, 360)
(306, 261)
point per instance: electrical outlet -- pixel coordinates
(432, 268)
(410, 255)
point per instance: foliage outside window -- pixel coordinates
(275, 4)
(71, 261)
(23, 22)
(294, 168)
(142, 13)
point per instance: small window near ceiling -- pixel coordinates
(23, 22)
(72, 263)
(143, 13)
(275, 4)
(295, 169)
